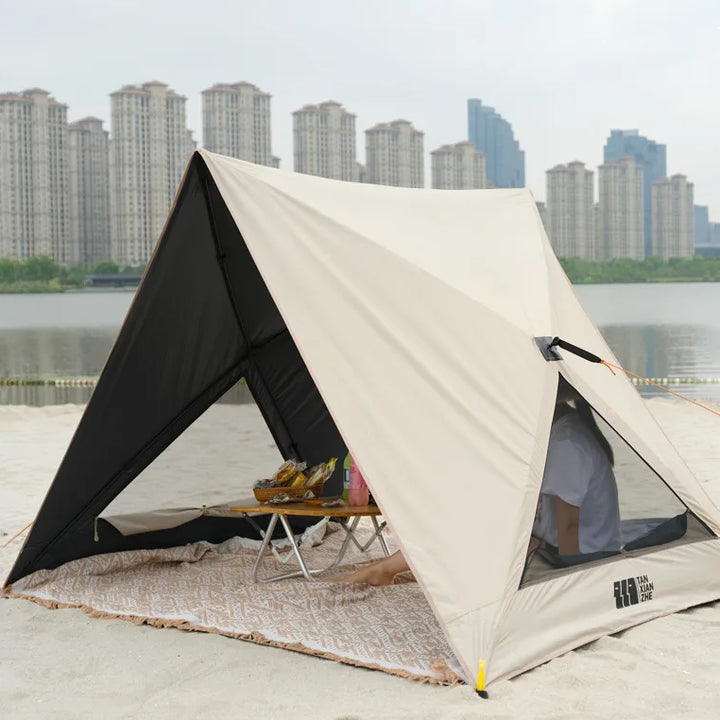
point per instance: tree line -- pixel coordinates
(699, 268)
(41, 274)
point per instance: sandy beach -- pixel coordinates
(63, 664)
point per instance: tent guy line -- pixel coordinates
(590, 357)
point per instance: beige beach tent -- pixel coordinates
(403, 324)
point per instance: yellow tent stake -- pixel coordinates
(480, 685)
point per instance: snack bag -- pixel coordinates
(320, 473)
(286, 472)
(299, 479)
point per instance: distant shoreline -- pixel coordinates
(49, 288)
(45, 289)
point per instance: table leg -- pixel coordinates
(349, 529)
(349, 535)
(378, 533)
(264, 546)
(296, 549)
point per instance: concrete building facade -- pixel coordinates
(89, 180)
(458, 167)
(570, 210)
(149, 151)
(621, 211)
(324, 141)
(651, 157)
(34, 212)
(236, 122)
(673, 218)
(715, 233)
(702, 224)
(493, 135)
(394, 154)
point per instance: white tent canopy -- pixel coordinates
(416, 313)
(418, 325)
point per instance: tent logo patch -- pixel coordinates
(632, 591)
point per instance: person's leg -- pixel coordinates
(380, 572)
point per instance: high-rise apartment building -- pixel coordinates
(458, 167)
(570, 210)
(236, 122)
(702, 225)
(324, 141)
(651, 157)
(89, 181)
(34, 194)
(673, 218)
(715, 233)
(493, 135)
(394, 154)
(149, 151)
(620, 211)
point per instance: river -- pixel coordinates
(668, 330)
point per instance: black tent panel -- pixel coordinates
(179, 349)
(283, 387)
(202, 318)
(274, 370)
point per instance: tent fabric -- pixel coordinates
(164, 519)
(184, 342)
(399, 324)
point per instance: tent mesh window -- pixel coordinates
(651, 515)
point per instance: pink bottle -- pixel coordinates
(359, 493)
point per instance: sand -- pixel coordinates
(63, 664)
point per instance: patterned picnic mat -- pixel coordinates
(209, 588)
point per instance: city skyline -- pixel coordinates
(199, 137)
(149, 145)
(595, 66)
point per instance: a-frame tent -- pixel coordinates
(400, 323)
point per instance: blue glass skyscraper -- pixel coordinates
(493, 135)
(702, 225)
(647, 153)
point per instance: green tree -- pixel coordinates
(41, 267)
(11, 271)
(105, 267)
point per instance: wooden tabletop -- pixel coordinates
(313, 509)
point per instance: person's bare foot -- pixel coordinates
(370, 575)
(378, 572)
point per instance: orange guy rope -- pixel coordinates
(17, 535)
(610, 367)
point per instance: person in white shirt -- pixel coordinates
(578, 512)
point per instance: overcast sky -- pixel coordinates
(563, 72)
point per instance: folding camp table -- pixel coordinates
(312, 509)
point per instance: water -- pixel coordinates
(656, 330)
(662, 330)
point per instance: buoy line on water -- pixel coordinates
(57, 382)
(678, 380)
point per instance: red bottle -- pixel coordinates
(359, 493)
